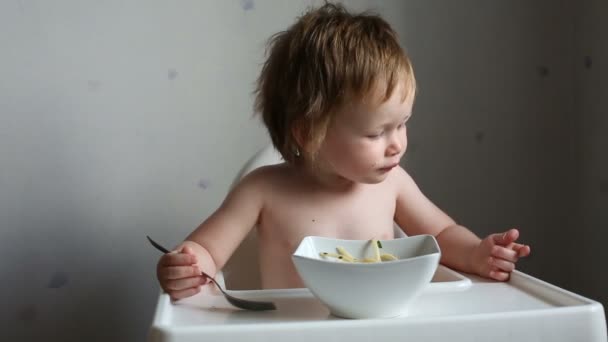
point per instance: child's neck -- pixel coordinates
(329, 181)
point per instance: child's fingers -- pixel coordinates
(506, 238)
(177, 295)
(499, 275)
(178, 272)
(177, 259)
(504, 253)
(502, 265)
(188, 250)
(183, 284)
(521, 250)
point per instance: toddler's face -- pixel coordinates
(366, 140)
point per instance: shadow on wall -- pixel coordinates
(81, 290)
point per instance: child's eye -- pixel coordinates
(375, 136)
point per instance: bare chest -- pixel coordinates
(362, 216)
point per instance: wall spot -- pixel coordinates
(21, 8)
(411, 147)
(204, 183)
(542, 70)
(93, 85)
(604, 186)
(479, 137)
(58, 280)
(172, 74)
(247, 5)
(588, 62)
(28, 314)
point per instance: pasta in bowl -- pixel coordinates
(367, 278)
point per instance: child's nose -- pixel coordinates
(395, 146)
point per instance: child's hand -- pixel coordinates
(496, 255)
(179, 275)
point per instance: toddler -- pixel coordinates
(335, 93)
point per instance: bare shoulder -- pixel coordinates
(400, 178)
(267, 175)
(414, 212)
(404, 185)
(265, 179)
(399, 174)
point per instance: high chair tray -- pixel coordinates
(452, 308)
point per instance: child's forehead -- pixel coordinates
(359, 113)
(382, 91)
(376, 101)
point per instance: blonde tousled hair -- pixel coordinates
(327, 57)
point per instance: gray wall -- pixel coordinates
(120, 119)
(590, 124)
(488, 137)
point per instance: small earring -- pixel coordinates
(297, 152)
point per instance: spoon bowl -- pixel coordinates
(237, 302)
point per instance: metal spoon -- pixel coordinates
(238, 302)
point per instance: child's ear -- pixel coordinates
(299, 133)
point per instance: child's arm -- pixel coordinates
(209, 246)
(493, 257)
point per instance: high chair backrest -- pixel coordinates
(242, 271)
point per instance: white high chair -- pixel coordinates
(241, 272)
(454, 308)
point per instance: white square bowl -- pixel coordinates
(367, 290)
